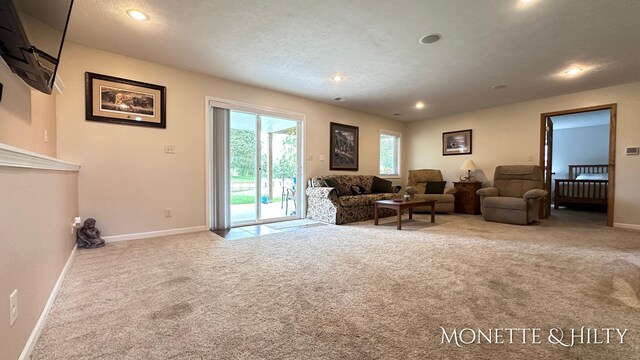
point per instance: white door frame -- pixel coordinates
(211, 101)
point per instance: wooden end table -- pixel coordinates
(467, 201)
(400, 206)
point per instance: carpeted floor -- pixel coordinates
(353, 292)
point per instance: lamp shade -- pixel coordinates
(468, 165)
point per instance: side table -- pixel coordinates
(467, 201)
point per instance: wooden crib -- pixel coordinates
(587, 184)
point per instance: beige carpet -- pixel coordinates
(351, 292)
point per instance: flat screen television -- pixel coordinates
(31, 37)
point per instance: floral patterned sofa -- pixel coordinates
(324, 204)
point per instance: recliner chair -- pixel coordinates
(516, 195)
(416, 184)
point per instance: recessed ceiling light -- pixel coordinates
(419, 105)
(430, 39)
(337, 78)
(397, 114)
(499, 87)
(573, 71)
(526, 3)
(338, 98)
(138, 15)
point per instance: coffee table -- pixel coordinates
(400, 206)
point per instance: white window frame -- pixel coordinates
(399, 153)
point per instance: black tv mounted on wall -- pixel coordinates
(31, 37)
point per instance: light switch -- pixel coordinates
(309, 157)
(322, 157)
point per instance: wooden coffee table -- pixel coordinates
(400, 206)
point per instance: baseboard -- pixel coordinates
(627, 226)
(31, 342)
(152, 234)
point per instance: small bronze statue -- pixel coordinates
(88, 236)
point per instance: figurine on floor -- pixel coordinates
(88, 236)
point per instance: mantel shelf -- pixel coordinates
(11, 156)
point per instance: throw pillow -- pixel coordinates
(340, 189)
(357, 190)
(435, 187)
(379, 186)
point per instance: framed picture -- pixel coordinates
(122, 101)
(456, 142)
(343, 151)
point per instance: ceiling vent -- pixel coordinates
(430, 39)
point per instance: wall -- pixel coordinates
(36, 213)
(25, 114)
(127, 180)
(511, 134)
(579, 146)
(36, 209)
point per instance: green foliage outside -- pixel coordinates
(388, 148)
(243, 155)
(285, 166)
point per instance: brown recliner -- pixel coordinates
(516, 195)
(416, 183)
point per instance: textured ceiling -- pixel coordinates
(296, 46)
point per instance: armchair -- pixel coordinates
(416, 183)
(516, 195)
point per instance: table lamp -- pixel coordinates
(468, 165)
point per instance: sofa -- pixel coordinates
(324, 203)
(516, 195)
(417, 183)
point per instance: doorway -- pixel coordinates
(263, 167)
(253, 165)
(580, 182)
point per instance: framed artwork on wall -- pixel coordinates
(343, 147)
(123, 101)
(456, 142)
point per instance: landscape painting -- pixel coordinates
(126, 101)
(343, 147)
(123, 101)
(456, 142)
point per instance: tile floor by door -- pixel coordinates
(264, 229)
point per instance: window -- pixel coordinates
(389, 153)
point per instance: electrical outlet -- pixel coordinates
(76, 221)
(309, 157)
(169, 149)
(13, 307)
(167, 212)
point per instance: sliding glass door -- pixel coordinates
(264, 167)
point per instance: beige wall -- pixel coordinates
(36, 209)
(36, 213)
(510, 135)
(127, 180)
(25, 114)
